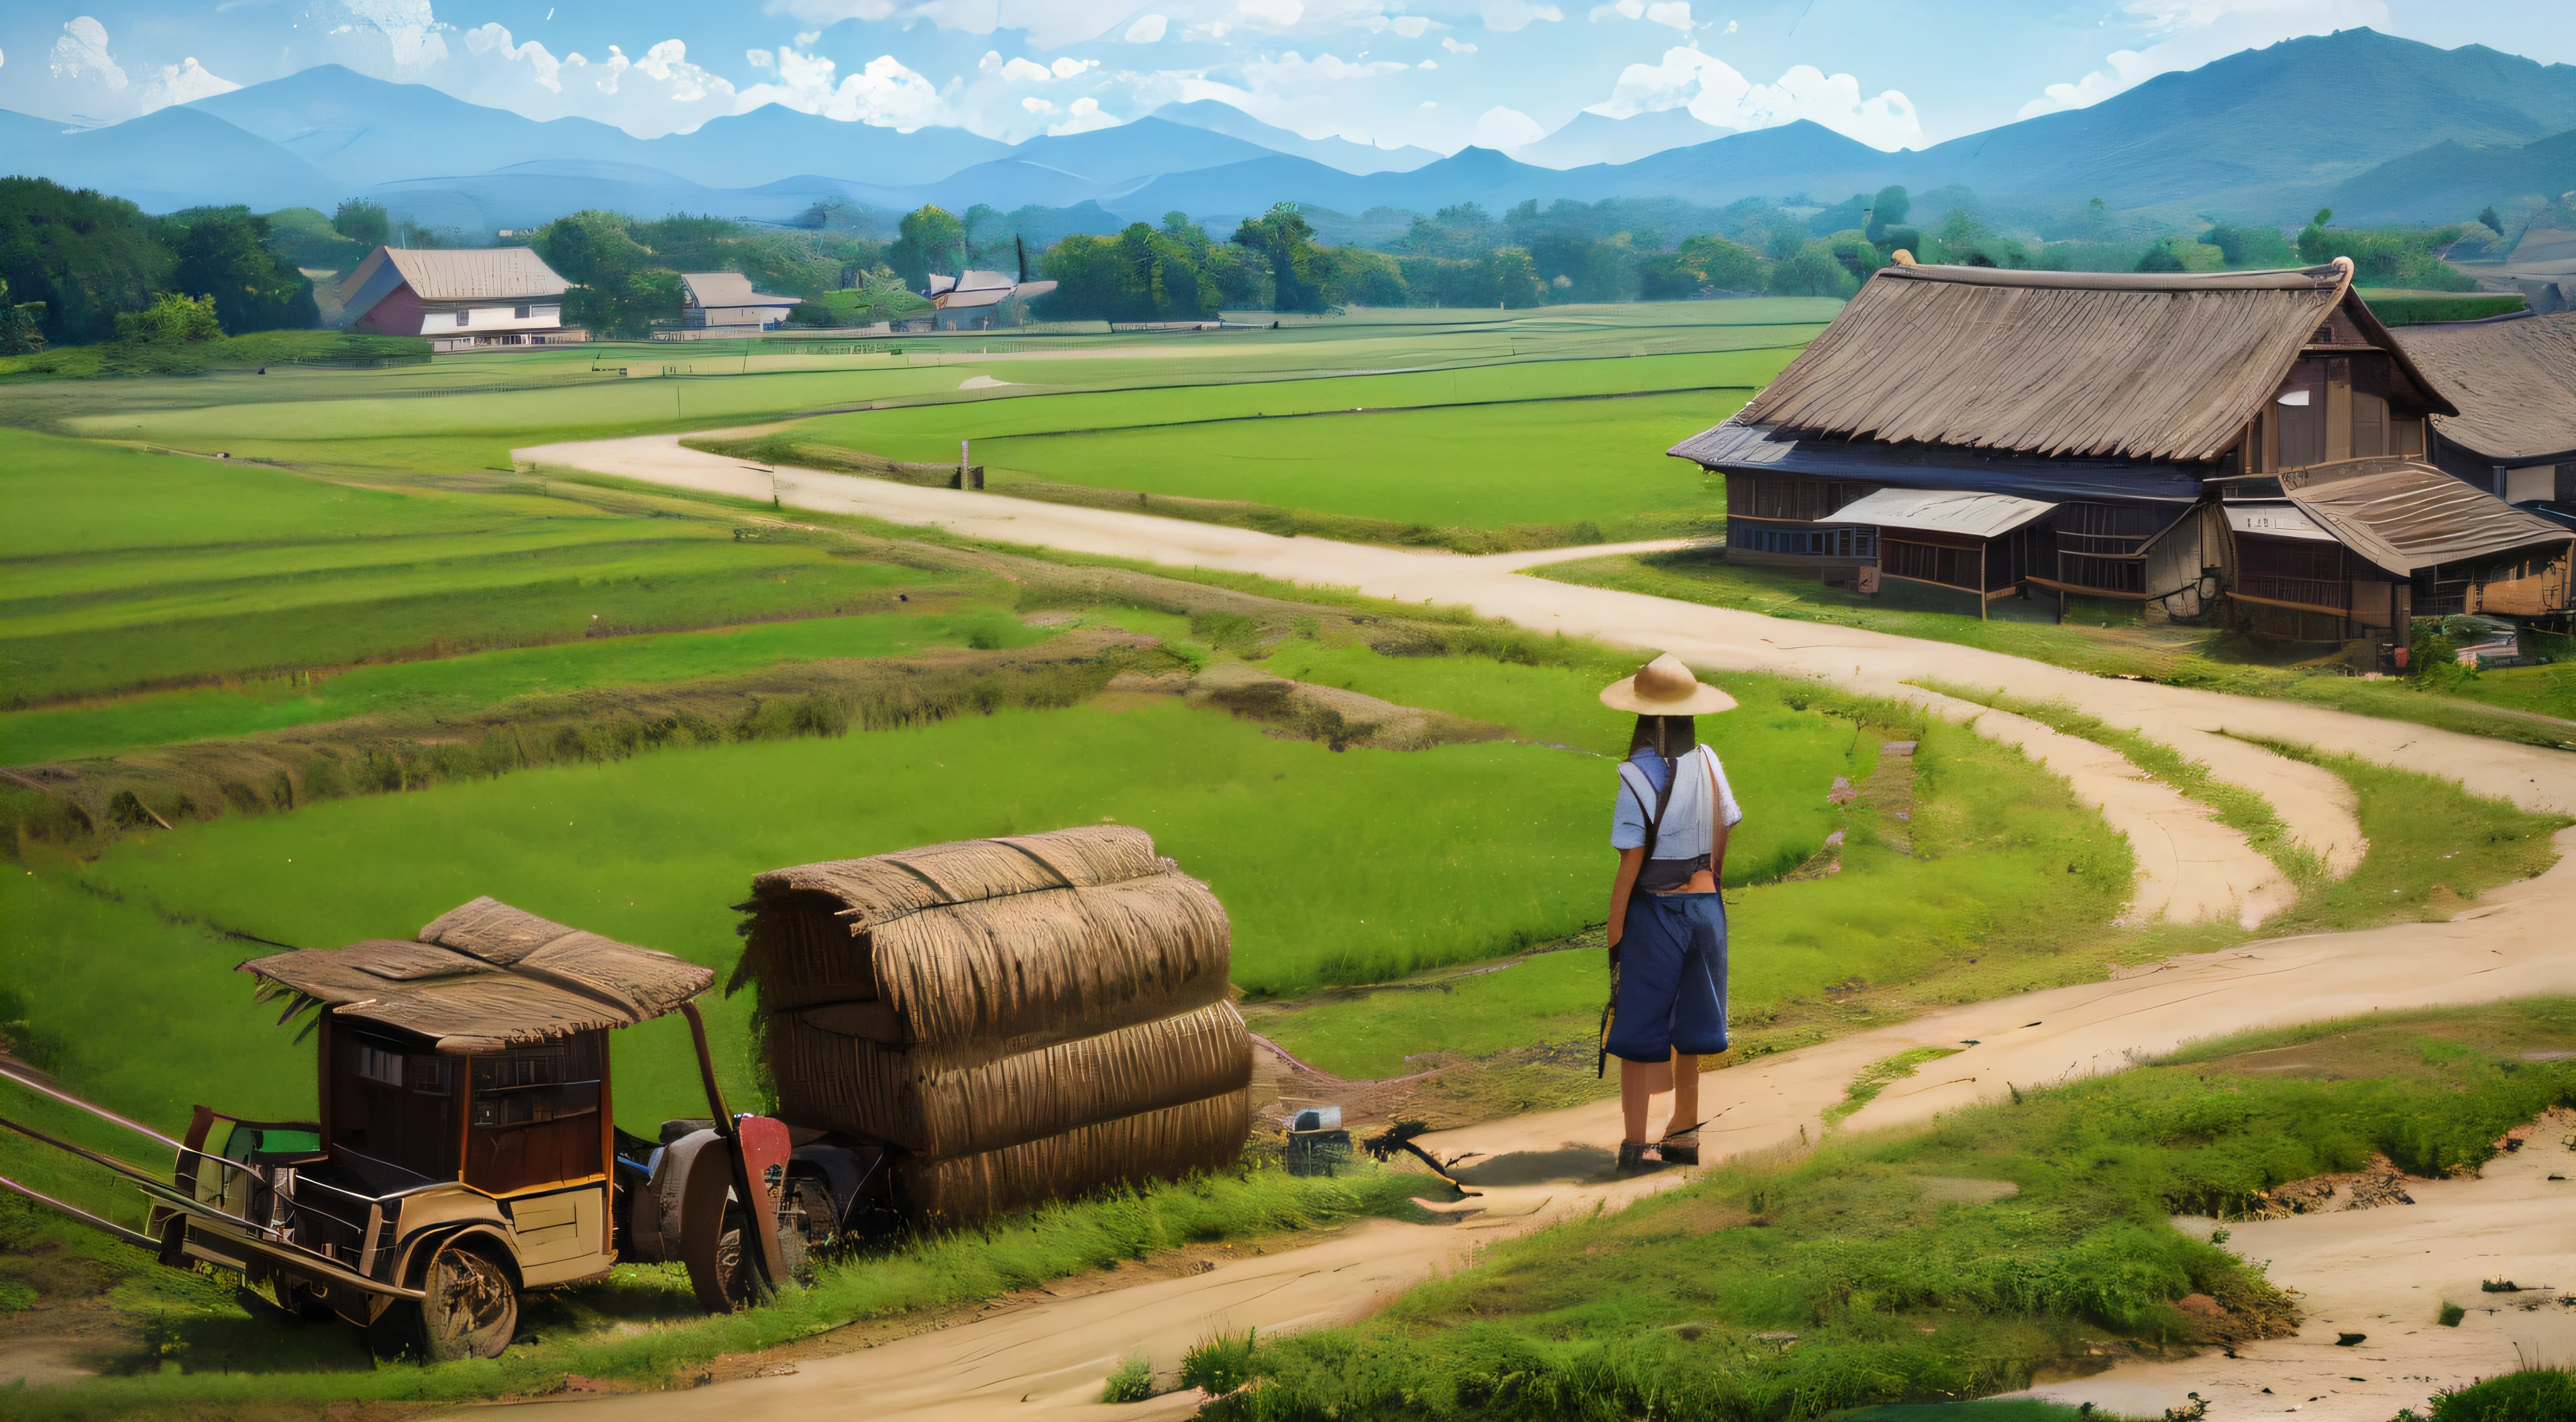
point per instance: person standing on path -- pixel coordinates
(1667, 916)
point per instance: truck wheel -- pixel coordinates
(469, 1309)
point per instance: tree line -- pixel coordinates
(73, 263)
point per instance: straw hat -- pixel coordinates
(1664, 687)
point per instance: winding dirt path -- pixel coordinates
(1040, 1356)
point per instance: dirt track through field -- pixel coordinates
(1040, 1356)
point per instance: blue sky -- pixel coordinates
(1438, 73)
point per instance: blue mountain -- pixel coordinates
(169, 159)
(1341, 153)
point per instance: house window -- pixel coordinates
(463, 316)
(376, 1064)
(520, 312)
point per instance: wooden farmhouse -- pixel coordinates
(2514, 379)
(2245, 446)
(714, 304)
(461, 298)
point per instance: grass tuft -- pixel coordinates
(1132, 1382)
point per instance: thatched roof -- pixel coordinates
(1163, 1144)
(2407, 517)
(2129, 365)
(1010, 942)
(2514, 380)
(484, 977)
(1740, 448)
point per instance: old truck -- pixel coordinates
(465, 1149)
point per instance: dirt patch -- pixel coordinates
(1304, 711)
(2381, 1183)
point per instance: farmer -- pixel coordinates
(1667, 921)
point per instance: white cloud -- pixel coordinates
(409, 28)
(1716, 94)
(1069, 67)
(1277, 13)
(756, 58)
(1505, 16)
(1147, 30)
(1675, 13)
(885, 93)
(1507, 129)
(81, 56)
(1409, 26)
(1456, 46)
(1048, 23)
(1036, 105)
(1025, 71)
(544, 68)
(2191, 33)
(807, 37)
(1428, 64)
(1083, 117)
(182, 82)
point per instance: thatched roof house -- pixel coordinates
(2514, 379)
(1022, 1017)
(1993, 432)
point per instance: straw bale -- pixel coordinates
(1030, 967)
(1164, 1144)
(889, 886)
(958, 1101)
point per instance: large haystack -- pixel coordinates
(1024, 1017)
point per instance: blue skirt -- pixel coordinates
(1672, 978)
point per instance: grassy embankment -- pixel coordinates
(2480, 705)
(1950, 1262)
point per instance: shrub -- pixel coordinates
(2540, 1395)
(1133, 1382)
(174, 320)
(1219, 1365)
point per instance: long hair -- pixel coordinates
(1669, 736)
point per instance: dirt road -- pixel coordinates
(1041, 1357)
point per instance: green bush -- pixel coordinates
(174, 320)
(1221, 1364)
(1133, 1382)
(2540, 1395)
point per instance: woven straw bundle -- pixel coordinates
(1026, 1017)
(1201, 1135)
(957, 1101)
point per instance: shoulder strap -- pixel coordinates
(1655, 823)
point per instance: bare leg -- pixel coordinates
(1685, 1093)
(1638, 1083)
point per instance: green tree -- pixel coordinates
(620, 286)
(1812, 271)
(1887, 210)
(1288, 242)
(361, 221)
(1138, 275)
(2493, 223)
(21, 324)
(174, 320)
(1516, 279)
(1239, 277)
(929, 239)
(86, 257)
(224, 252)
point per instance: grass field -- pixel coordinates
(1901, 1288)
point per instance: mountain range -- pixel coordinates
(2384, 129)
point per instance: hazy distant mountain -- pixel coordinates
(2452, 181)
(2266, 133)
(165, 160)
(1341, 153)
(1594, 138)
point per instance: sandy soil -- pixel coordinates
(1041, 1357)
(2384, 1274)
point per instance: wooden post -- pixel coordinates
(1981, 581)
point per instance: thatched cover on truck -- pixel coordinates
(2087, 364)
(484, 977)
(1024, 1017)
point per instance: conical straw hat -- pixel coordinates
(1664, 687)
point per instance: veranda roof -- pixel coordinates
(1738, 447)
(1943, 511)
(2109, 364)
(2514, 380)
(484, 977)
(2407, 517)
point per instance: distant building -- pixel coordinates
(2245, 445)
(2515, 381)
(975, 301)
(461, 298)
(723, 304)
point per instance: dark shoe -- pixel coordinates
(1678, 1152)
(1633, 1158)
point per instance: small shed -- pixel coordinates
(978, 300)
(724, 304)
(1021, 1018)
